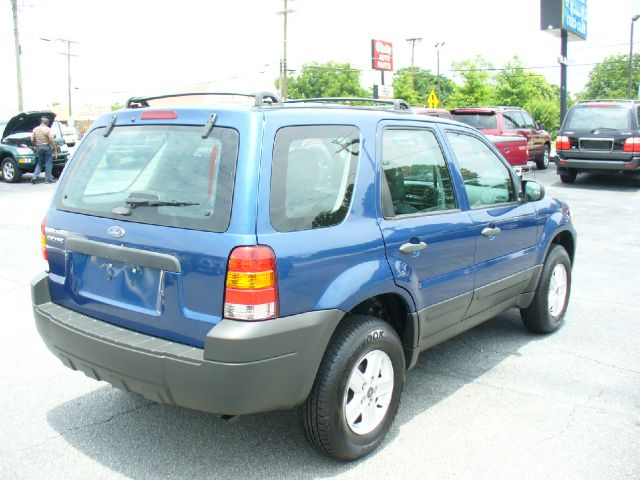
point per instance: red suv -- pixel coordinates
(509, 121)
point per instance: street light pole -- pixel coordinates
(438, 45)
(413, 47)
(633, 20)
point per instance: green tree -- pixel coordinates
(477, 83)
(546, 112)
(325, 80)
(415, 86)
(610, 79)
(516, 87)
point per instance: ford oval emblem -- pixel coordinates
(116, 232)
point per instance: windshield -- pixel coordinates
(598, 117)
(480, 121)
(159, 174)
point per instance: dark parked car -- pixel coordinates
(16, 153)
(303, 254)
(599, 136)
(509, 121)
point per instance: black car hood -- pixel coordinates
(26, 122)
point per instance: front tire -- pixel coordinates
(357, 390)
(543, 162)
(10, 171)
(546, 312)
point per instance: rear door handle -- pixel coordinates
(489, 232)
(412, 247)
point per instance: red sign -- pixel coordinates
(381, 55)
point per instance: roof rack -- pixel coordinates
(625, 100)
(261, 98)
(398, 104)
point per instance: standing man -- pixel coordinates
(42, 140)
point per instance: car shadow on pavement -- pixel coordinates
(611, 183)
(142, 440)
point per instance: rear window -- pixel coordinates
(481, 121)
(158, 174)
(598, 117)
(312, 177)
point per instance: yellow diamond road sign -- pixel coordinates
(433, 101)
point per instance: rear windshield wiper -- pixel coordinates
(603, 128)
(150, 202)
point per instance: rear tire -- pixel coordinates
(357, 390)
(569, 178)
(543, 162)
(10, 171)
(546, 312)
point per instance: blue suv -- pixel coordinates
(240, 259)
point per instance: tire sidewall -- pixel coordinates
(545, 160)
(9, 161)
(556, 256)
(348, 443)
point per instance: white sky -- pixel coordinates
(144, 47)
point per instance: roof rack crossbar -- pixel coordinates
(608, 100)
(261, 98)
(398, 104)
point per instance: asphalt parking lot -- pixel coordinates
(496, 402)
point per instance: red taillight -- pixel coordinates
(251, 291)
(43, 240)
(563, 143)
(632, 145)
(159, 115)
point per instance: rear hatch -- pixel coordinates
(598, 131)
(140, 233)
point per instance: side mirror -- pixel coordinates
(541, 126)
(532, 190)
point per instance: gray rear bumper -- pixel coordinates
(564, 165)
(245, 367)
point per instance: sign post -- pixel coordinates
(381, 57)
(568, 20)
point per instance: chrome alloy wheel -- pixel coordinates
(368, 392)
(8, 170)
(557, 290)
(545, 156)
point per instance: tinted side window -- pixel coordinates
(486, 179)
(513, 118)
(312, 176)
(528, 121)
(416, 173)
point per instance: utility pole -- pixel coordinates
(16, 36)
(633, 20)
(438, 45)
(69, 55)
(413, 42)
(283, 63)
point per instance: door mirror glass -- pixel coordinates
(533, 191)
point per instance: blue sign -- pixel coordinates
(574, 17)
